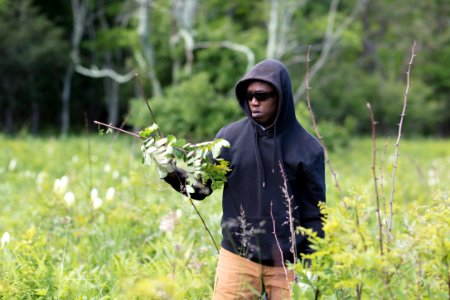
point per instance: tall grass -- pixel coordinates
(145, 241)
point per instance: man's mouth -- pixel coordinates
(256, 113)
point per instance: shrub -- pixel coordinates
(191, 109)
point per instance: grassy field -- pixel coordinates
(82, 218)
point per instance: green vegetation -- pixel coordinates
(190, 53)
(87, 220)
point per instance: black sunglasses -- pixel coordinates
(260, 96)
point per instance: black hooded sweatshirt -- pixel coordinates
(254, 198)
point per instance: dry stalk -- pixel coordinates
(279, 247)
(290, 207)
(374, 173)
(383, 198)
(146, 102)
(118, 129)
(399, 135)
(316, 129)
(204, 224)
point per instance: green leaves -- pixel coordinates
(349, 265)
(148, 131)
(202, 160)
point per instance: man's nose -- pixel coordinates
(254, 101)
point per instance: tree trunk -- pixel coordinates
(112, 88)
(272, 29)
(148, 53)
(65, 97)
(79, 12)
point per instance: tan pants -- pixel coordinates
(240, 278)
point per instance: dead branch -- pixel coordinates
(278, 245)
(118, 129)
(316, 129)
(95, 72)
(290, 207)
(374, 173)
(399, 135)
(383, 198)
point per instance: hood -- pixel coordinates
(275, 73)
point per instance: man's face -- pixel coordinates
(263, 102)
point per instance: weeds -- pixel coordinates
(119, 249)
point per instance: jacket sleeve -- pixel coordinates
(177, 180)
(315, 184)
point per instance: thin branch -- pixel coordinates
(290, 207)
(316, 129)
(118, 129)
(173, 164)
(399, 135)
(95, 72)
(192, 203)
(146, 102)
(279, 247)
(204, 224)
(374, 173)
(383, 198)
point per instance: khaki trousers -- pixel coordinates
(240, 278)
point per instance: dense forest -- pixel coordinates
(64, 64)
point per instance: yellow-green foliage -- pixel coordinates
(412, 262)
(87, 220)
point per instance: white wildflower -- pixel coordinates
(432, 178)
(110, 194)
(97, 203)
(107, 168)
(115, 174)
(5, 239)
(69, 199)
(60, 185)
(12, 164)
(56, 185)
(168, 222)
(94, 194)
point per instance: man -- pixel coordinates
(269, 150)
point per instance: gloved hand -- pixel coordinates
(159, 152)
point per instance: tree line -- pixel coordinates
(67, 62)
